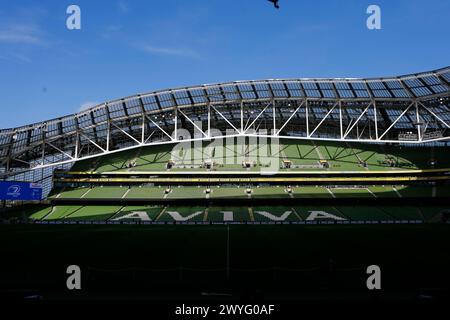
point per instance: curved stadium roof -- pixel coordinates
(340, 104)
(414, 86)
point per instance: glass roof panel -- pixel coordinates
(248, 95)
(182, 97)
(446, 76)
(116, 110)
(346, 93)
(247, 91)
(293, 85)
(313, 93)
(198, 96)
(376, 85)
(360, 89)
(328, 94)
(278, 89)
(381, 94)
(413, 83)
(150, 103)
(181, 94)
(431, 80)
(400, 93)
(277, 85)
(342, 85)
(84, 120)
(295, 89)
(394, 84)
(261, 86)
(263, 90)
(231, 92)
(309, 85)
(325, 85)
(421, 91)
(165, 99)
(439, 88)
(358, 85)
(133, 106)
(69, 125)
(215, 93)
(362, 94)
(280, 93)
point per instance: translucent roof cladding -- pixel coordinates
(279, 90)
(379, 89)
(446, 75)
(420, 85)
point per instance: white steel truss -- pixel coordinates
(288, 110)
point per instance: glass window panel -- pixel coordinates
(431, 80)
(116, 110)
(376, 85)
(342, 85)
(215, 94)
(150, 103)
(421, 91)
(198, 96)
(165, 99)
(313, 93)
(439, 88)
(325, 85)
(295, 89)
(247, 91)
(400, 93)
(346, 93)
(277, 85)
(413, 83)
(262, 90)
(381, 94)
(362, 93)
(394, 84)
(278, 89)
(358, 85)
(328, 93)
(309, 85)
(446, 76)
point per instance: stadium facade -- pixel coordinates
(409, 110)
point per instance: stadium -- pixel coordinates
(156, 153)
(270, 161)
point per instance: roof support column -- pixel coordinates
(141, 104)
(44, 131)
(43, 154)
(242, 116)
(274, 116)
(340, 120)
(307, 117)
(143, 129)
(77, 144)
(175, 123)
(108, 133)
(108, 127)
(419, 126)
(77, 137)
(375, 113)
(209, 120)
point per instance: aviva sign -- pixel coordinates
(230, 216)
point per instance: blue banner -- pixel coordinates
(10, 190)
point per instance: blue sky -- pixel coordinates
(131, 46)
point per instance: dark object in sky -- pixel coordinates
(275, 3)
